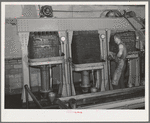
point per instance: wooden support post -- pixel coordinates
(23, 38)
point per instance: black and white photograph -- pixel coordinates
(78, 60)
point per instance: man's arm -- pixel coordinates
(112, 56)
(120, 51)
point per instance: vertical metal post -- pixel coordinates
(134, 72)
(93, 78)
(98, 79)
(106, 76)
(139, 77)
(102, 56)
(66, 89)
(101, 46)
(60, 68)
(108, 33)
(137, 82)
(23, 38)
(102, 34)
(45, 82)
(103, 81)
(70, 34)
(130, 74)
(50, 77)
(61, 80)
(85, 81)
(27, 99)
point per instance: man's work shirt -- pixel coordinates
(121, 56)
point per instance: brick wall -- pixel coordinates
(13, 75)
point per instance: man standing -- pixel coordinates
(120, 58)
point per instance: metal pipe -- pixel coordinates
(85, 79)
(50, 75)
(45, 80)
(98, 79)
(107, 62)
(60, 70)
(61, 80)
(33, 97)
(93, 78)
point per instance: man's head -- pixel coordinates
(117, 38)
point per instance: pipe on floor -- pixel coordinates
(33, 97)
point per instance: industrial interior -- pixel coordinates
(67, 57)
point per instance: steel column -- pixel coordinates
(104, 56)
(137, 82)
(108, 33)
(70, 34)
(98, 79)
(67, 86)
(24, 38)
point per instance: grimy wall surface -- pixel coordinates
(13, 68)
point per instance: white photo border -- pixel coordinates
(18, 115)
